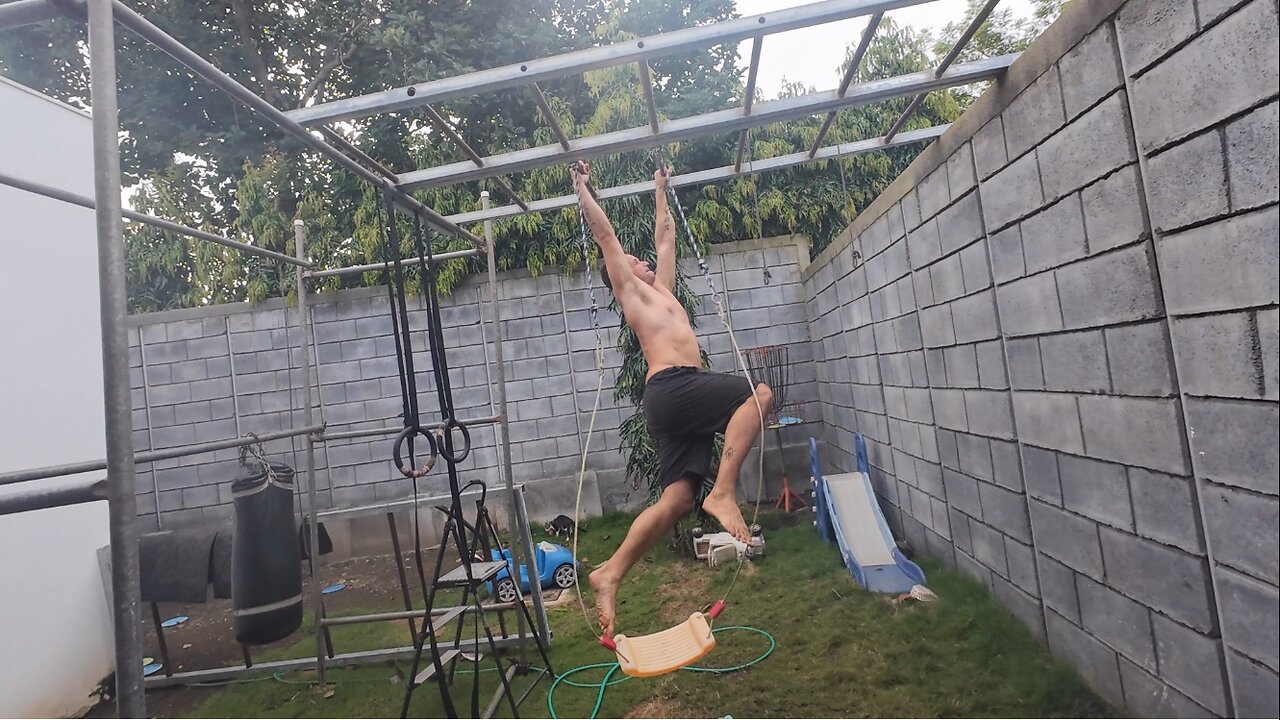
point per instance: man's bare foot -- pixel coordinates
(725, 509)
(605, 587)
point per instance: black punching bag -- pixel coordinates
(266, 575)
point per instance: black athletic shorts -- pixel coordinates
(685, 407)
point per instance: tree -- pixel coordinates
(1002, 33)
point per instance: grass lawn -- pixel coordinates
(841, 652)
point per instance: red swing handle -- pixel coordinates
(608, 643)
(716, 608)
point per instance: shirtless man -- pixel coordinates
(684, 405)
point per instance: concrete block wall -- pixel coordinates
(1088, 263)
(220, 372)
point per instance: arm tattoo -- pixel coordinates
(729, 453)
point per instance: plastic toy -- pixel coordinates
(554, 563)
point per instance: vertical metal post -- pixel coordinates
(151, 442)
(113, 300)
(313, 526)
(522, 550)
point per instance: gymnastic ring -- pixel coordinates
(456, 457)
(405, 434)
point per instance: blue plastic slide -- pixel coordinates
(849, 514)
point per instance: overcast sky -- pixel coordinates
(814, 55)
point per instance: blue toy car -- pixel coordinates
(555, 568)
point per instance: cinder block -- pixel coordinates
(1096, 662)
(948, 408)
(948, 450)
(1007, 261)
(1223, 266)
(934, 192)
(961, 366)
(1223, 71)
(1096, 489)
(989, 152)
(1012, 193)
(1090, 70)
(947, 279)
(1257, 688)
(1005, 510)
(1248, 616)
(1216, 355)
(1148, 696)
(1025, 368)
(1075, 362)
(1239, 524)
(1187, 183)
(974, 317)
(1049, 420)
(1058, 587)
(1054, 236)
(1112, 288)
(975, 267)
(1269, 340)
(1139, 359)
(911, 209)
(1113, 211)
(1192, 663)
(1135, 431)
(1088, 148)
(960, 173)
(924, 244)
(1164, 509)
(1150, 28)
(988, 547)
(1068, 538)
(1034, 114)
(975, 456)
(991, 369)
(962, 492)
(1252, 158)
(1006, 465)
(961, 223)
(1118, 621)
(989, 413)
(1022, 564)
(1234, 442)
(1165, 579)
(936, 326)
(1030, 305)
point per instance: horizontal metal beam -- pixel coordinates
(392, 430)
(409, 614)
(155, 455)
(413, 502)
(198, 65)
(579, 61)
(710, 176)
(709, 123)
(366, 657)
(40, 497)
(26, 12)
(951, 56)
(86, 202)
(407, 262)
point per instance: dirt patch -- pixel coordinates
(684, 595)
(659, 707)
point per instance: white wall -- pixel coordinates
(54, 621)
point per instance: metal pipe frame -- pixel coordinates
(409, 614)
(407, 262)
(346, 146)
(154, 455)
(951, 56)
(402, 504)
(544, 107)
(374, 432)
(579, 61)
(646, 84)
(712, 175)
(854, 63)
(39, 498)
(748, 97)
(122, 506)
(445, 127)
(206, 70)
(84, 202)
(26, 12)
(366, 657)
(710, 123)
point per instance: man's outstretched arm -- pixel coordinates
(664, 232)
(615, 258)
